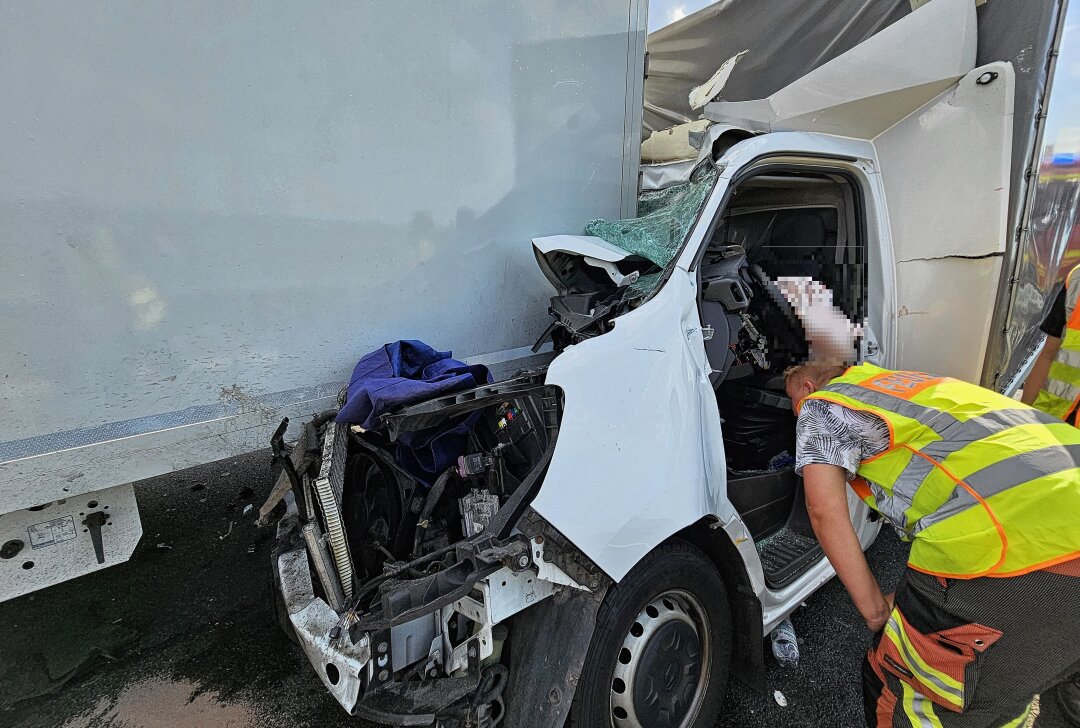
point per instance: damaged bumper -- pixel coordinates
(452, 680)
(343, 665)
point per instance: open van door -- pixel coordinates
(942, 136)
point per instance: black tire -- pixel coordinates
(683, 583)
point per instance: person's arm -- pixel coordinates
(1053, 325)
(826, 502)
(1037, 379)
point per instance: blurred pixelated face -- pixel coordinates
(832, 336)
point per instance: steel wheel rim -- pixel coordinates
(663, 626)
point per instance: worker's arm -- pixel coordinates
(826, 502)
(1037, 379)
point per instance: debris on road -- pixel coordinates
(785, 645)
(780, 699)
(225, 535)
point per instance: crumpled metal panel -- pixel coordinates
(871, 87)
(785, 40)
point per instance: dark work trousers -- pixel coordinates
(973, 653)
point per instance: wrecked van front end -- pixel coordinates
(399, 590)
(432, 597)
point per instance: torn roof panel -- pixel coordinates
(864, 91)
(785, 40)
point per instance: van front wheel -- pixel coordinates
(660, 654)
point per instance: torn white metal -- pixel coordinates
(864, 91)
(708, 91)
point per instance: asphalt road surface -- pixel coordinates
(183, 635)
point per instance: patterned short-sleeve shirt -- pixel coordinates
(835, 435)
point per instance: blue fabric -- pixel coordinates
(403, 373)
(426, 453)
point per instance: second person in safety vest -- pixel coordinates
(987, 489)
(1054, 383)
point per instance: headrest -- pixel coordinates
(799, 229)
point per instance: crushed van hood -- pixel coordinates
(553, 252)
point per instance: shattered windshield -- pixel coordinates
(664, 220)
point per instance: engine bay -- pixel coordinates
(392, 518)
(420, 576)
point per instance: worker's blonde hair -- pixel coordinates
(816, 372)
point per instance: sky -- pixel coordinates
(663, 12)
(1063, 120)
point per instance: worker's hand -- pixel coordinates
(875, 621)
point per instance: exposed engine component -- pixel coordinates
(751, 344)
(477, 510)
(433, 569)
(328, 487)
(373, 506)
(392, 518)
(475, 464)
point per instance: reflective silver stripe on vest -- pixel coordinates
(956, 435)
(1061, 388)
(937, 420)
(1069, 357)
(913, 476)
(975, 429)
(998, 420)
(1005, 474)
(941, 422)
(892, 506)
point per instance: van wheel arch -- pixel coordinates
(748, 645)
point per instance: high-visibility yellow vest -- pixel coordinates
(982, 484)
(1061, 393)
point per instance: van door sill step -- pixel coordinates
(786, 554)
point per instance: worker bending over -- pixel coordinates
(1054, 383)
(987, 614)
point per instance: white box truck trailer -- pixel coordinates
(208, 211)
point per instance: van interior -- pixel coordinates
(777, 223)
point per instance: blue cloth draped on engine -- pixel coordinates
(404, 373)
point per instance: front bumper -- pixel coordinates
(342, 665)
(358, 668)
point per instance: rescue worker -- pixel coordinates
(1054, 383)
(987, 614)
